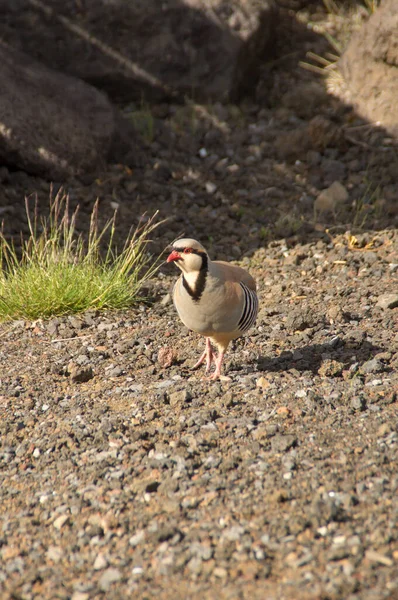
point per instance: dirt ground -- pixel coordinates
(121, 478)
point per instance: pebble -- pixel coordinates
(137, 538)
(100, 562)
(80, 374)
(387, 301)
(358, 403)
(80, 596)
(60, 521)
(331, 198)
(283, 443)
(54, 553)
(210, 187)
(178, 398)
(115, 372)
(109, 577)
(381, 559)
(262, 383)
(373, 365)
(331, 368)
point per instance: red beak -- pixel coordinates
(173, 256)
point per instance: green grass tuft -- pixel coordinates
(56, 272)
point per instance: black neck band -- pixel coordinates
(197, 291)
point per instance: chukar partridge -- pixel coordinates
(213, 298)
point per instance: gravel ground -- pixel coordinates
(125, 474)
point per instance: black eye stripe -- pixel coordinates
(193, 251)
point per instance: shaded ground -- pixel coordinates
(121, 478)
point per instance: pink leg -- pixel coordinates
(218, 362)
(207, 356)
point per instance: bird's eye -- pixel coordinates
(187, 250)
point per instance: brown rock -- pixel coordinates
(151, 50)
(331, 368)
(51, 124)
(80, 374)
(166, 356)
(369, 66)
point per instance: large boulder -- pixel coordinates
(370, 67)
(52, 124)
(148, 49)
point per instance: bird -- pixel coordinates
(213, 298)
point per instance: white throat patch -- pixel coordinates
(191, 279)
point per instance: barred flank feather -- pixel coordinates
(250, 309)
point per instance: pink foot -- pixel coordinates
(207, 356)
(217, 373)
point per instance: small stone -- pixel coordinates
(137, 538)
(82, 359)
(387, 301)
(178, 398)
(358, 403)
(80, 596)
(338, 553)
(329, 199)
(331, 368)
(332, 170)
(373, 365)
(289, 462)
(165, 300)
(61, 521)
(210, 187)
(75, 322)
(109, 577)
(379, 558)
(115, 372)
(234, 533)
(384, 429)
(54, 553)
(195, 565)
(262, 383)
(100, 562)
(80, 374)
(283, 443)
(335, 312)
(370, 257)
(283, 411)
(220, 572)
(166, 357)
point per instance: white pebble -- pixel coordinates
(210, 187)
(100, 562)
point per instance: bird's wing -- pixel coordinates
(239, 307)
(235, 274)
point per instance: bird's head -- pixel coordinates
(189, 255)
